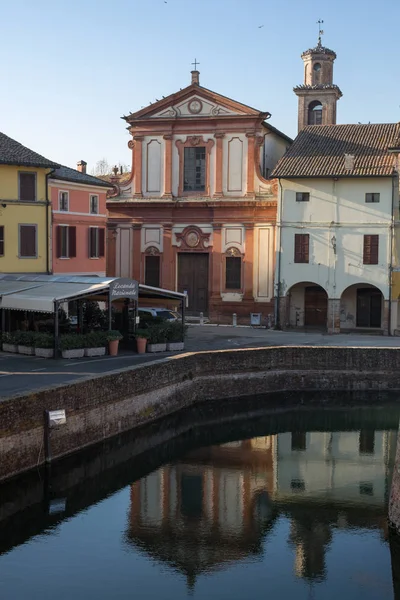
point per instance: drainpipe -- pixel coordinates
(392, 231)
(49, 233)
(278, 266)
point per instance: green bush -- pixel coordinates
(44, 340)
(8, 337)
(113, 335)
(142, 333)
(96, 339)
(24, 338)
(157, 333)
(176, 332)
(72, 341)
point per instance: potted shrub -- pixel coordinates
(113, 338)
(26, 342)
(96, 343)
(175, 336)
(72, 345)
(9, 342)
(44, 345)
(157, 340)
(141, 337)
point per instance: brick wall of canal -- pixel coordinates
(100, 407)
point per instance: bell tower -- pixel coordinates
(318, 94)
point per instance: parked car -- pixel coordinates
(162, 313)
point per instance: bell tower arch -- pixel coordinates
(318, 95)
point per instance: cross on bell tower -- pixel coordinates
(318, 95)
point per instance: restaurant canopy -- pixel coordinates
(42, 293)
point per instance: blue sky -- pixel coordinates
(70, 69)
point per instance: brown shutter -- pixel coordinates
(101, 242)
(301, 248)
(371, 250)
(2, 240)
(27, 186)
(27, 241)
(72, 242)
(90, 241)
(58, 241)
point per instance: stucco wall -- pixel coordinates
(100, 407)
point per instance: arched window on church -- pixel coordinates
(315, 113)
(316, 73)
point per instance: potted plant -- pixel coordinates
(141, 337)
(9, 342)
(25, 341)
(72, 345)
(113, 336)
(157, 340)
(176, 333)
(44, 345)
(96, 343)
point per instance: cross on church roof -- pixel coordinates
(195, 63)
(320, 31)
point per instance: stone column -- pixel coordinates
(219, 165)
(168, 167)
(251, 138)
(167, 269)
(137, 252)
(138, 166)
(111, 264)
(385, 320)
(333, 324)
(249, 263)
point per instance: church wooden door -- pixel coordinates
(193, 277)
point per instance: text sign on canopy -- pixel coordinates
(124, 288)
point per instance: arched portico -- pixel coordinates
(363, 307)
(305, 306)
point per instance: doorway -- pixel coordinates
(369, 307)
(193, 278)
(315, 306)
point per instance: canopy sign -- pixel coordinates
(124, 288)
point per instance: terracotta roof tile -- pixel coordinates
(68, 174)
(319, 151)
(14, 153)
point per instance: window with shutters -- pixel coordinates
(301, 247)
(63, 201)
(1, 240)
(371, 249)
(372, 197)
(66, 241)
(152, 271)
(233, 272)
(94, 205)
(27, 186)
(96, 242)
(27, 241)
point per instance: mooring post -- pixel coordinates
(201, 318)
(234, 319)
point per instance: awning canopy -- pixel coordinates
(39, 293)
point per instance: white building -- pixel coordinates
(338, 187)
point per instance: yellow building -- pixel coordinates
(25, 211)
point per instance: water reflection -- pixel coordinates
(219, 504)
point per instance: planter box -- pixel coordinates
(29, 350)
(175, 346)
(77, 353)
(156, 347)
(44, 352)
(10, 348)
(95, 351)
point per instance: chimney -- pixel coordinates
(196, 77)
(349, 162)
(81, 166)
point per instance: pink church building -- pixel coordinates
(79, 220)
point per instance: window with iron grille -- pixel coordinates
(63, 201)
(94, 205)
(371, 250)
(96, 242)
(302, 196)
(28, 241)
(372, 197)
(152, 271)
(1, 240)
(194, 170)
(233, 273)
(301, 247)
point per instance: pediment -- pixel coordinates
(193, 101)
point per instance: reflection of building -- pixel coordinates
(216, 505)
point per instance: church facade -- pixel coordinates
(197, 213)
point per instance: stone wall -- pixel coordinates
(394, 503)
(103, 406)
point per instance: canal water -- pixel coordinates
(290, 503)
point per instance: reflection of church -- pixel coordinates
(217, 504)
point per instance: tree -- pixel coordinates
(103, 167)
